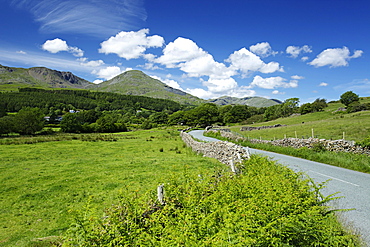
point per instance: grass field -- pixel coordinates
(42, 182)
(325, 125)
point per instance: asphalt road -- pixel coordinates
(353, 186)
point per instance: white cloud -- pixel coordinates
(108, 72)
(323, 84)
(273, 82)
(295, 51)
(84, 62)
(180, 50)
(304, 59)
(277, 92)
(186, 55)
(94, 17)
(248, 62)
(58, 45)
(131, 45)
(55, 45)
(297, 77)
(335, 57)
(22, 52)
(98, 81)
(262, 49)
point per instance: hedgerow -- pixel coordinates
(266, 204)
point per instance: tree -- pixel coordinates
(28, 121)
(6, 125)
(71, 123)
(348, 98)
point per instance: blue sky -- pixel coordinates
(271, 48)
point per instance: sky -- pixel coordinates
(279, 49)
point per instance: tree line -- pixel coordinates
(87, 112)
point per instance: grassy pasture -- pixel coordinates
(42, 182)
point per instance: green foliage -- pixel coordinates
(348, 98)
(316, 106)
(267, 205)
(28, 121)
(365, 143)
(82, 99)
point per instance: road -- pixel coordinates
(353, 186)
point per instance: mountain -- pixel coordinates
(135, 82)
(250, 101)
(14, 78)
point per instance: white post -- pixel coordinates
(295, 132)
(233, 168)
(343, 135)
(160, 194)
(312, 133)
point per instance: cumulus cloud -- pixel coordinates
(180, 50)
(295, 51)
(335, 57)
(131, 45)
(108, 72)
(58, 45)
(22, 52)
(93, 17)
(323, 84)
(273, 82)
(186, 55)
(248, 62)
(262, 49)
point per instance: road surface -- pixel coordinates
(353, 186)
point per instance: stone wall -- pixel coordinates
(220, 150)
(249, 128)
(331, 145)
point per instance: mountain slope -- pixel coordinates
(250, 101)
(13, 78)
(135, 82)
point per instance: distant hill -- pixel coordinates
(14, 78)
(135, 82)
(250, 101)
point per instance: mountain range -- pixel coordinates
(133, 82)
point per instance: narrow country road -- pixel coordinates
(353, 186)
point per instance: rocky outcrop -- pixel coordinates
(223, 151)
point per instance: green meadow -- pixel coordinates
(43, 183)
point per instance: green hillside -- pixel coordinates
(13, 78)
(327, 124)
(135, 82)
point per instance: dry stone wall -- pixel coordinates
(331, 145)
(223, 151)
(249, 128)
